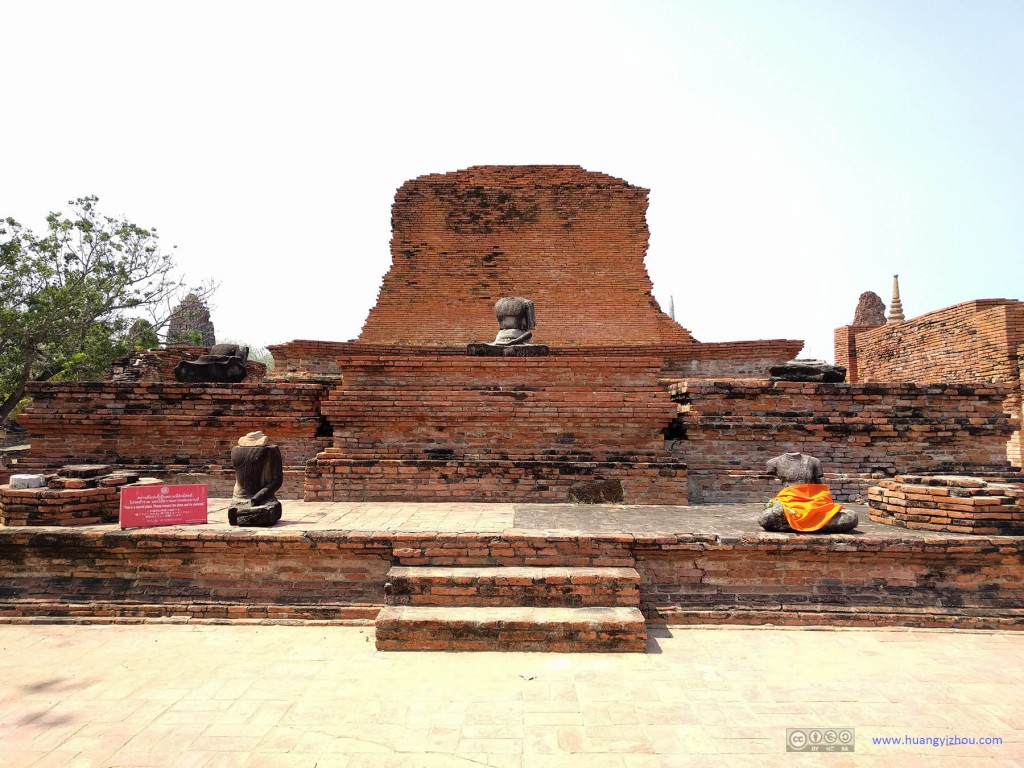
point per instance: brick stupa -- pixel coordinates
(571, 240)
(416, 418)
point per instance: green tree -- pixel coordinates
(90, 289)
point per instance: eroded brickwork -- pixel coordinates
(178, 432)
(571, 240)
(204, 574)
(973, 342)
(450, 427)
(730, 429)
(323, 360)
(152, 365)
(839, 581)
(951, 503)
(946, 581)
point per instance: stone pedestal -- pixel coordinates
(515, 350)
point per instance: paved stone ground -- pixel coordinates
(213, 695)
(317, 696)
(714, 519)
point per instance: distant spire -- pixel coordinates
(896, 307)
(672, 307)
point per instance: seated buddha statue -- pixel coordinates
(258, 476)
(805, 504)
(515, 321)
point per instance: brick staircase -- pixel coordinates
(512, 608)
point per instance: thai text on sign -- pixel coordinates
(152, 505)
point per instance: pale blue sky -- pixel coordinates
(797, 153)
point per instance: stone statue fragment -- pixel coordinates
(805, 504)
(808, 370)
(516, 322)
(223, 364)
(258, 476)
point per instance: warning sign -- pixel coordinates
(144, 506)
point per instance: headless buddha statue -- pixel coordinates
(515, 321)
(258, 476)
(805, 504)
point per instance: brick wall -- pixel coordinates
(974, 342)
(571, 240)
(730, 429)
(323, 360)
(437, 427)
(205, 574)
(844, 581)
(152, 365)
(685, 578)
(179, 432)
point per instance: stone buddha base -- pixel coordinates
(499, 350)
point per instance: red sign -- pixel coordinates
(143, 506)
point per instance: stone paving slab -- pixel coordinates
(714, 520)
(730, 520)
(203, 696)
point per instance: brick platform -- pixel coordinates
(433, 427)
(697, 565)
(80, 494)
(51, 506)
(956, 504)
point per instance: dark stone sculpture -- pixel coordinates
(516, 322)
(224, 364)
(870, 310)
(808, 370)
(796, 469)
(258, 476)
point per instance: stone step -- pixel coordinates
(563, 586)
(502, 628)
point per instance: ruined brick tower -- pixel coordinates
(571, 240)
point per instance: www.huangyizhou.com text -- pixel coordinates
(935, 741)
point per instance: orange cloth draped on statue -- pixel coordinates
(808, 507)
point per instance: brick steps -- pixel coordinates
(503, 628)
(512, 608)
(519, 586)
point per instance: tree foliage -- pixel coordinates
(88, 290)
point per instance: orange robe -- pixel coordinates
(807, 507)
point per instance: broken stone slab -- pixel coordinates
(84, 470)
(23, 482)
(808, 370)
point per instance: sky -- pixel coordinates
(798, 152)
